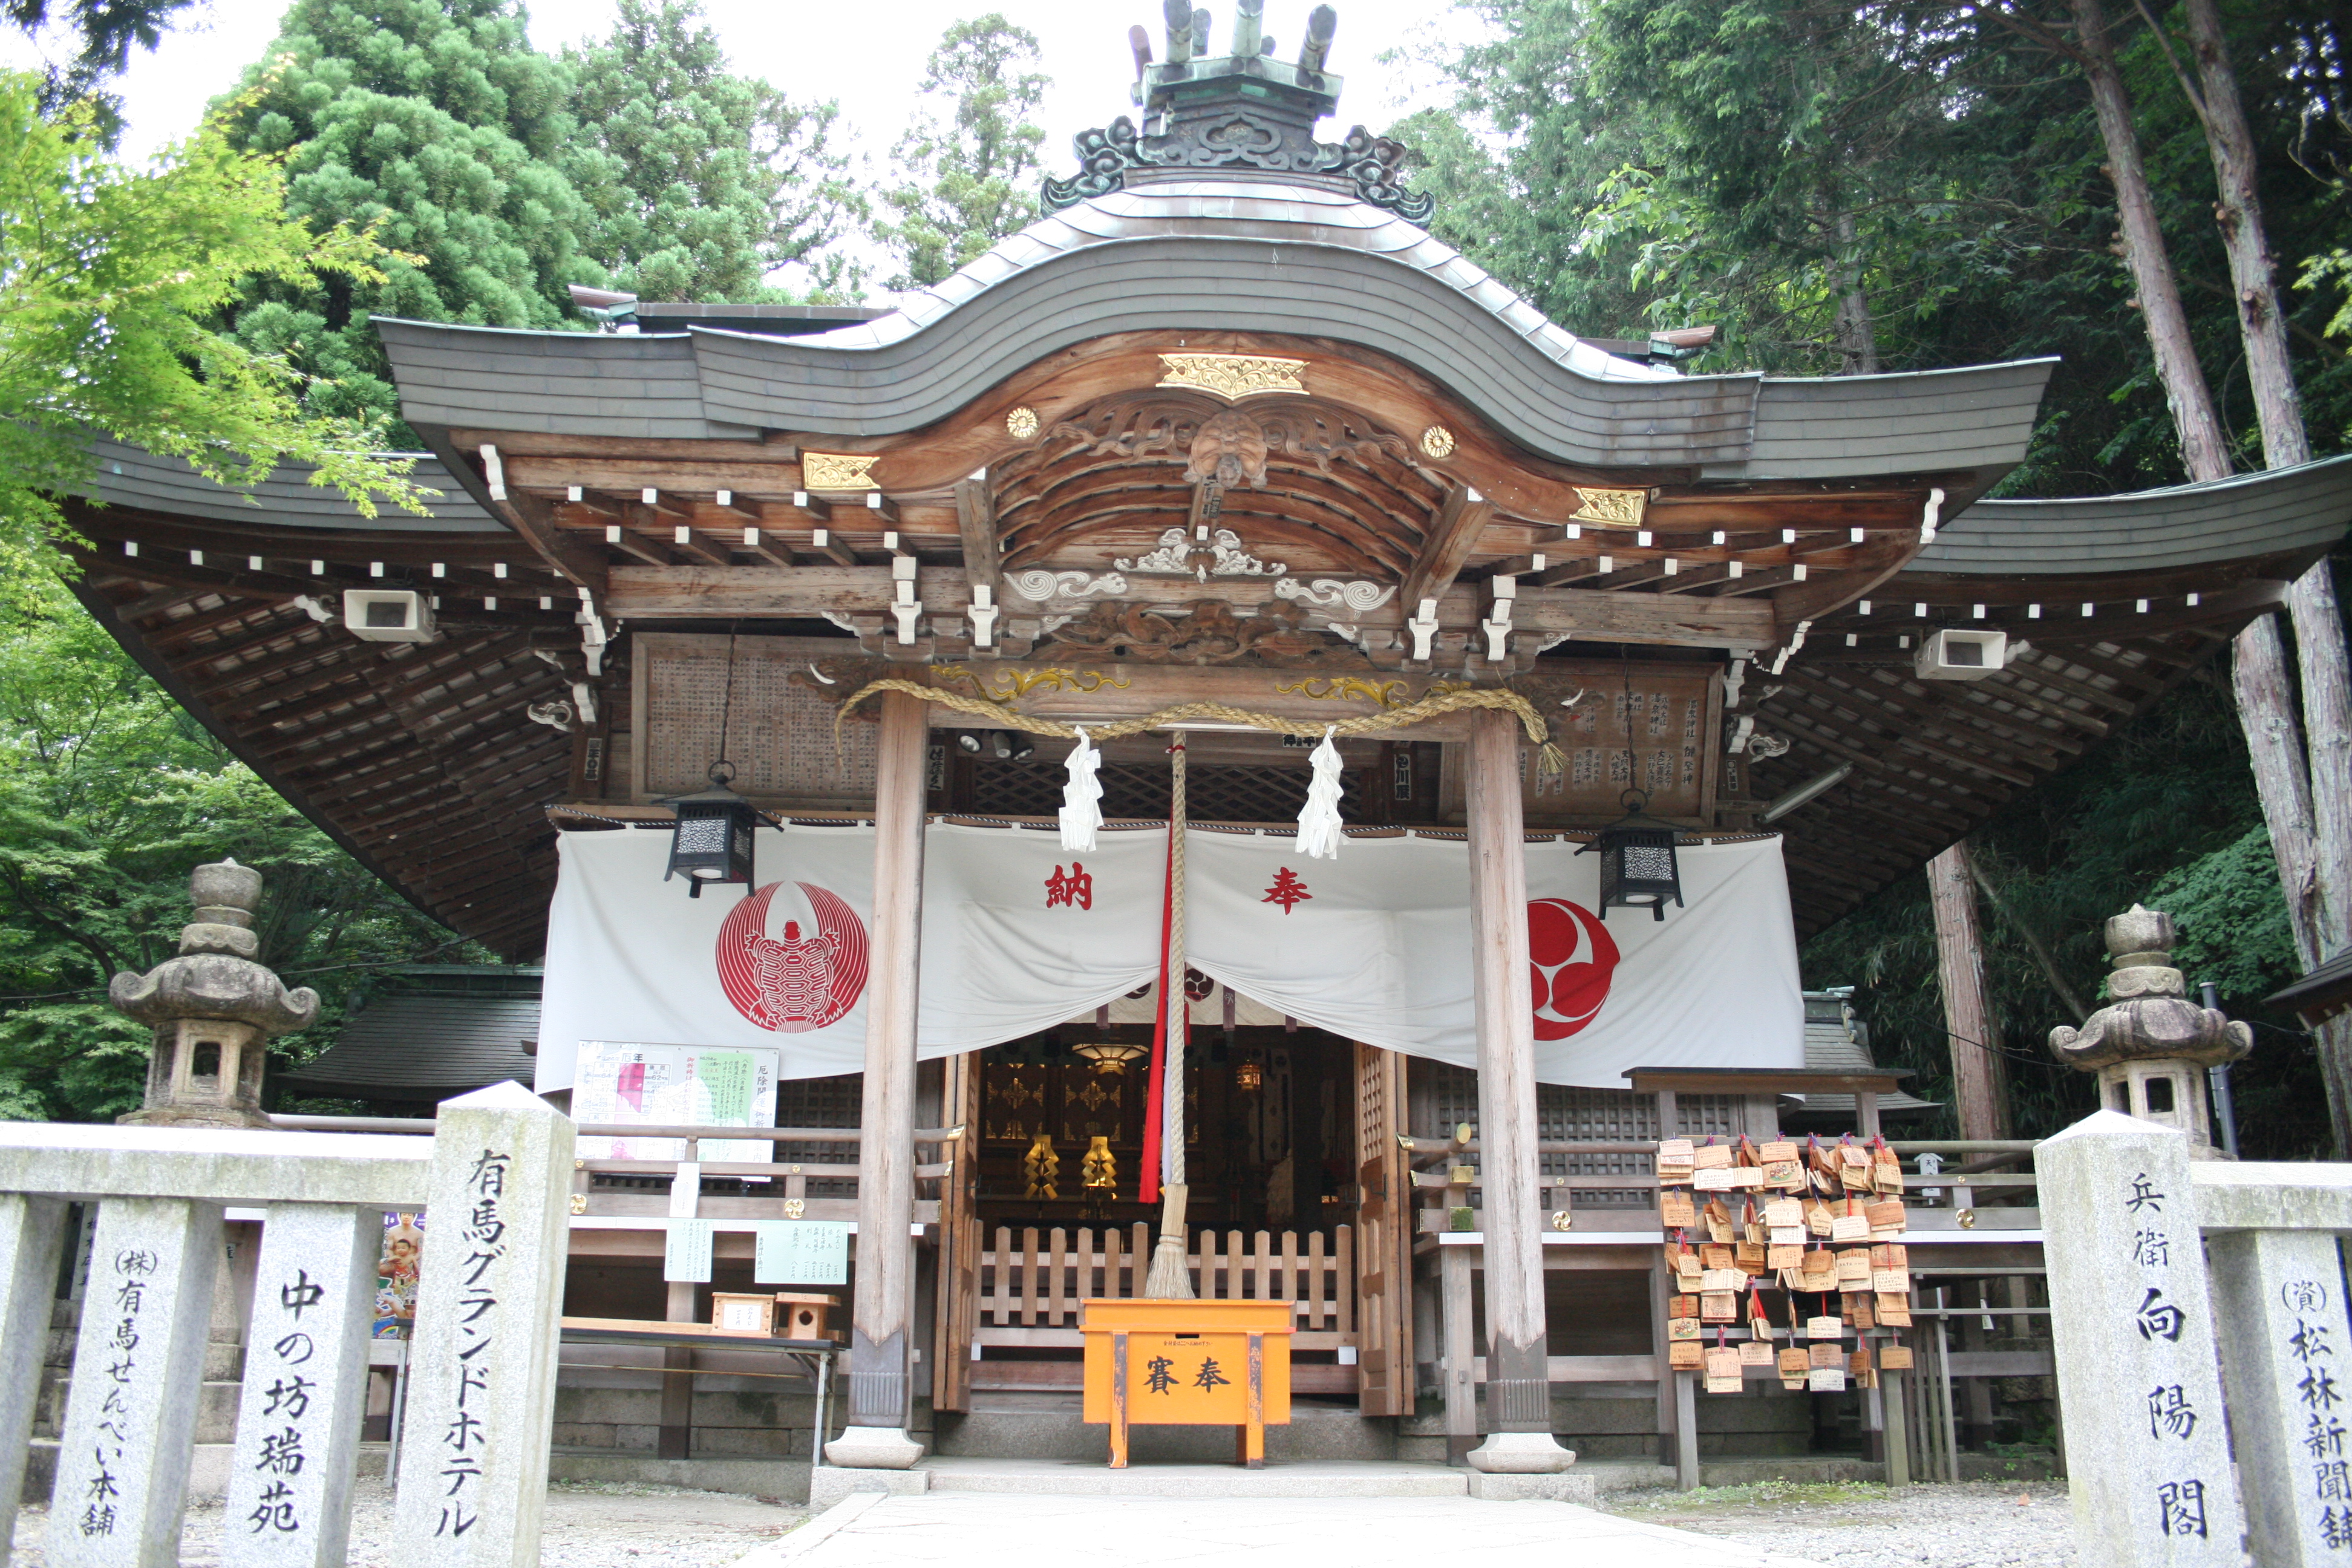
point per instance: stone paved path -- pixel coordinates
(953, 1530)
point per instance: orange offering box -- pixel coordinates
(1189, 1363)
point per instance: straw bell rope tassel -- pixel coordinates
(1548, 758)
(1169, 1279)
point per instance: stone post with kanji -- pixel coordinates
(2148, 1450)
(490, 1305)
(2287, 1350)
(306, 1361)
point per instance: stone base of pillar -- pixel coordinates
(873, 1448)
(1504, 1487)
(1520, 1454)
(201, 1116)
(829, 1484)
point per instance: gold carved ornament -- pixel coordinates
(1435, 704)
(1012, 684)
(1231, 377)
(1610, 508)
(1437, 441)
(1341, 688)
(838, 471)
(1022, 423)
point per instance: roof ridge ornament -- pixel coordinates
(1243, 111)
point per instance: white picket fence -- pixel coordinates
(473, 1472)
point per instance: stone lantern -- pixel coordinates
(213, 1008)
(2150, 1044)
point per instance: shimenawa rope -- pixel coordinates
(1436, 705)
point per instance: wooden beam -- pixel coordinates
(624, 540)
(1447, 548)
(687, 541)
(1684, 620)
(976, 524)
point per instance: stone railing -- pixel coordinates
(2180, 1290)
(495, 1177)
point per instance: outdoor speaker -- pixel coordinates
(387, 615)
(1960, 654)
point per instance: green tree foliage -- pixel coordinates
(965, 181)
(2160, 814)
(110, 280)
(1657, 162)
(436, 122)
(109, 794)
(700, 183)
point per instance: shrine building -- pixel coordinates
(736, 672)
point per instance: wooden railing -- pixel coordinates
(1031, 1282)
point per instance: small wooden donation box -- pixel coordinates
(1189, 1363)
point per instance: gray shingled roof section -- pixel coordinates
(399, 1045)
(131, 477)
(1206, 254)
(1980, 417)
(1831, 1045)
(2303, 508)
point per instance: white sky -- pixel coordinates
(869, 56)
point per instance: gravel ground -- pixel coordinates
(589, 1525)
(1847, 1524)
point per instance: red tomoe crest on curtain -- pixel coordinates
(1572, 960)
(800, 978)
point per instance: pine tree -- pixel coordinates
(698, 182)
(968, 181)
(436, 121)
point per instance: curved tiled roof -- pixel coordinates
(2303, 508)
(1223, 254)
(130, 476)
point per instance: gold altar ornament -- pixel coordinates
(1231, 377)
(1021, 424)
(1610, 508)
(1041, 1165)
(1101, 1167)
(838, 471)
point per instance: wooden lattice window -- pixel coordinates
(780, 732)
(1563, 1115)
(835, 1101)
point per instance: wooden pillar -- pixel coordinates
(882, 1310)
(676, 1438)
(1960, 961)
(1519, 1389)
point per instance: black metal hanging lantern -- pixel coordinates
(1638, 868)
(713, 841)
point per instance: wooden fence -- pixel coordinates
(1031, 1283)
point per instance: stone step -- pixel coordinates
(1301, 1478)
(786, 1480)
(1052, 1435)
